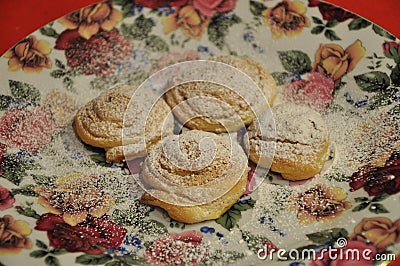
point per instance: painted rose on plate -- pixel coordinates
(376, 180)
(184, 248)
(378, 231)
(27, 129)
(286, 18)
(391, 50)
(358, 253)
(75, 196)
(334, 61)
(94, 236)
(205, 7)
(6, 199)
(251, 182)
(210, 7)
(90, 20)
(189, 20)
(316, 91)
(31, 55)
(14, 235)
(330, 12)
(320, 203)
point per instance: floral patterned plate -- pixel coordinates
(336, 62)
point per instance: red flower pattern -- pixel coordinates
(251, 182)
(93, 236)
(379, 180)
(160, 3)
(330, 12)
(68, 38)
(100, 55)
(6, 199)
(390, 49)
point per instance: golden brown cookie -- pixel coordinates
(195, 176)
(255, 71)
(300, 143)
(103, 121)
(215, 107)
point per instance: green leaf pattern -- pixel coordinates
(373, 81)
(295, 61)
(231, 218)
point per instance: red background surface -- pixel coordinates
(18, 18)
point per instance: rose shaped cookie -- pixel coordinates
(104, 122)
(223, 107)
(195, 176)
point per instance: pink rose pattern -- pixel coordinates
(6, 199)
(209, 7)
(3, 149)
(206, 7)
(315, 92)
(184, 248)
(26, 129)
(173, 58)
(100, 55)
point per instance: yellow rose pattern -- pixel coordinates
(286, 18)
(380, 231)
(90, 20)
(188, 20)
(81, 203)
(30, 55)
(14, 235)
(334, 61)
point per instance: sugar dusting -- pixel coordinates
(180, 170)
(301, 133)
(67, 154)
(272, 215)
(356, 134)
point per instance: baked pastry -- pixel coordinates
(124, 130)
(300, 141)
(227, 105)
(195, 176)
